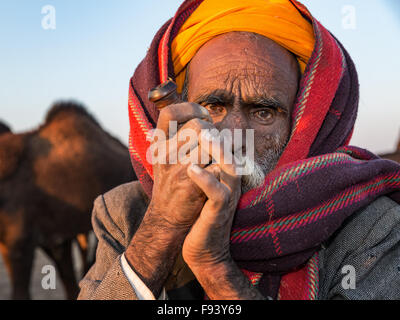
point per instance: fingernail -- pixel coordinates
(205, 111)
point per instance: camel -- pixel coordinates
(82, 240)
(49, 178)
(4, 128)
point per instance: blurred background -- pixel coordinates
(95, 46)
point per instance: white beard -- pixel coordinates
(255, 177)
(258, 170)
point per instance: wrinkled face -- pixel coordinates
(247, 81)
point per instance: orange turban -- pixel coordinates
(277, 20)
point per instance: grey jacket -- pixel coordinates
(369, 241)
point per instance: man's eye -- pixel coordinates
(215, 108)
(264, 115)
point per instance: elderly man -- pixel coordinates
(315, 218)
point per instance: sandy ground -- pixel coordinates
(37, 292)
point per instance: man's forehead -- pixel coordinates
(247, 82)
(234, 60)
(244, 48)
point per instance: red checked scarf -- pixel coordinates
(318, 183)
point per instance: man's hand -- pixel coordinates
(206, 247)
(208, 241)
(175, 205)
(175, 197)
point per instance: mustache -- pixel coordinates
(259, 168)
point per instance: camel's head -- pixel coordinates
(4, 128)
